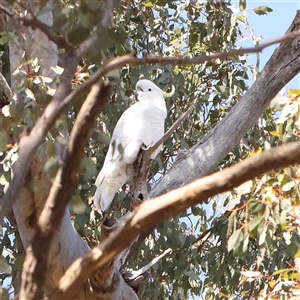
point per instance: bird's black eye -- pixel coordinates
(149, 90)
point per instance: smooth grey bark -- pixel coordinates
(67, 245)
(205, 156)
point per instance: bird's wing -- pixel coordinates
(138, 126)
(135, 128)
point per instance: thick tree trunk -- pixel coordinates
(67, 245)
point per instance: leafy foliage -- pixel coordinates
(247, 241)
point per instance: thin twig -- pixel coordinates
(172, 203)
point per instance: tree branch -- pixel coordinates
(35, 23)
(107, 13)
(144, 269)
(153, 211)
(132, 60)
(169, 132)
(283, 65)
(31, 141)
(205, 156)
(105, 279)
(28, 144)
(35, 264)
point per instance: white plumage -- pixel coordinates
(142, 124)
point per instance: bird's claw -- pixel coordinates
(145, 148)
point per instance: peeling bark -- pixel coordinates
(108, 282)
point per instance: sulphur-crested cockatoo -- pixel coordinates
(141, 125)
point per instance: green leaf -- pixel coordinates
(19, 262)
(240, 18)
(78, 205)
(104, 37)
(242, 5)
(149, 4)
(256, 225)
(293, 93)
(4, 265)
(161, 2)
(94, 4)
(262, 10)
(4, 140)
(51, 166)
(288, 186)
(259, 208)
(181, 238)
(235, 239)
(245, 243)
(196, 211)
(82, 219)
(5, 39)
(88, 167)
(78, 35)
(183, 144)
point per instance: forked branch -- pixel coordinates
(153, 211)
(34, 275)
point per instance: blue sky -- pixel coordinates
(270, 26)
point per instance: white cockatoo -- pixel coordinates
(141, 125)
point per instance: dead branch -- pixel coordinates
(144, 269)
(34, 275)
(136, 278)
(153, 211)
